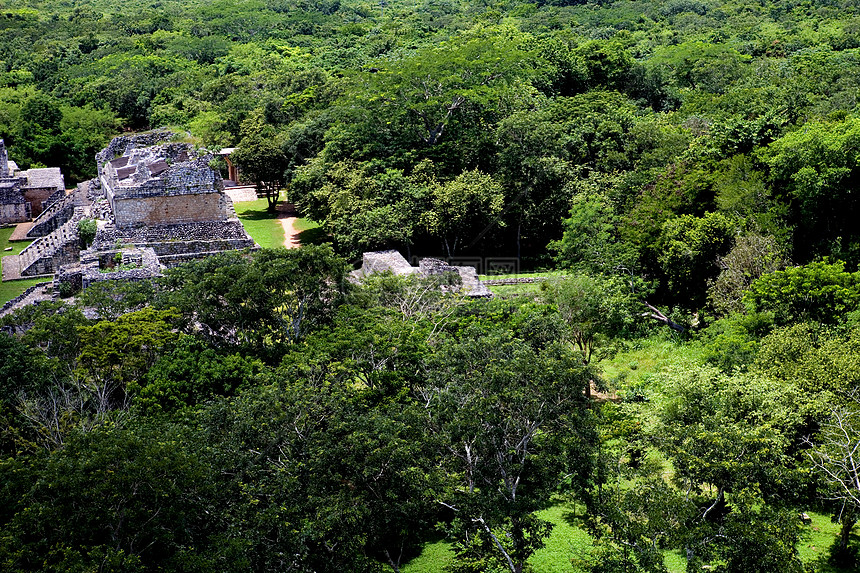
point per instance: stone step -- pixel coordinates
(20, 232)
(11, 267)
(46, 247)
(64, 209)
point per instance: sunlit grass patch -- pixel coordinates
(11, 289)
(639, 366)
(434, 557)
(311, 233)
(568, 541)
(263, 225)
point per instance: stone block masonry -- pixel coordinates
(157, 204)
(392, 261)
(166, 209)
(24, 194)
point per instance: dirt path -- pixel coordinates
(287, 216)
(291, 234)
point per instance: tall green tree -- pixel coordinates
(261, 158)
(511, 423)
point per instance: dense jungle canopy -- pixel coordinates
(694, 161)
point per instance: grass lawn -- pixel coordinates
(266, 229)
(641, 364)
(17, 246)
(434, 557)
(11, 289)
(262, 224)
(819, 535)
(566, 542)
(310, 232)
(524, 289)
(541, 274)
(303, 224)
(508, 291)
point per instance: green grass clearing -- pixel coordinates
(508, 291)
(266, 229)
(310, 232)
(567, 541)
(263, 225)
(302, 224)
(820, 534)
(434, 557)
(538, 274)
(640, 365)
(11, 289)
(17, 246)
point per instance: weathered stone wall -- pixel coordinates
(40, 198)
(172, 254)
(97, 266)
(185, 178)
(56, 215)
(178, 243)
(168, 209)
(393, 261)
(203, 231)
(14, 213)
(71, 275)
(4, 160)
(13, 207)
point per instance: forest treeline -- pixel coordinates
(671, 129)
(260, 412)
(691, 161)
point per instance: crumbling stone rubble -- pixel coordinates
(393, 261)
(155, 201)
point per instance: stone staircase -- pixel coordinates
(59, 212)
(44, 255)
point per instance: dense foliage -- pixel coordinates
(260, 412)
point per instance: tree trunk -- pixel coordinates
(519, 242)
(845, 533)
(391, 562)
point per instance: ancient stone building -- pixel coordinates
(157, 203)
(25, 194)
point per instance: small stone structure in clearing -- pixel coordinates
(156, 203)
(393, 261)
(25, 194)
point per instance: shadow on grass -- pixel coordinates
(831, 561)
(430, 555)
(315, 236)
(258, 215)
(573, 519)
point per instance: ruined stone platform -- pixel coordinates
(11, 267)
(392, 261)
(241, 194)
(20, 232)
